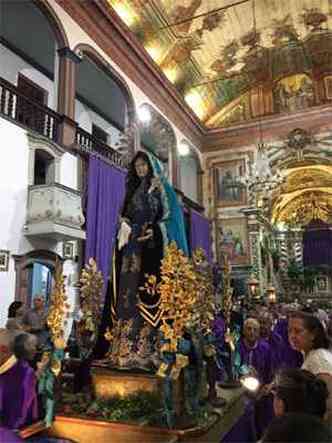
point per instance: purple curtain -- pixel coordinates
(105, 193)
(317, 244)
(200, 235)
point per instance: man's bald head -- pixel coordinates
(251, 330)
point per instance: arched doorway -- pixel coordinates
(303, 204)
(34, 275)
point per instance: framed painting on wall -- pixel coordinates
(4, 260)
(233, 240)
(229, 189)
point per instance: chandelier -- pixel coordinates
(261, 181)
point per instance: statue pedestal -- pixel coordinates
(108, 383)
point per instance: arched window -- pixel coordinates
(104, 104)
(190, 171)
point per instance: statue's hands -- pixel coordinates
(123, 234)
(147, 235)
(155, 185)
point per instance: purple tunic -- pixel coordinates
(18, 396)
(8, 436)
(277, 346)
(259, 357)
(289, 358)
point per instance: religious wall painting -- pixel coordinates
(229, 189)
(232, 236)
(293, 93)
(236, 112)
(328, 87)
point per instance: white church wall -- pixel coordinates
(14, 181)
(69, 171)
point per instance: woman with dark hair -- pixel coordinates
(300, 391)
(14, 309)
(139, 252)
(15, 315)
(308, 335)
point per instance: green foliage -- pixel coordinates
(141, 407)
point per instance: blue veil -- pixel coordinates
(172, 224)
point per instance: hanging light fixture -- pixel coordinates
(260, 180)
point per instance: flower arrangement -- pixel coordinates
(50, 365)
(57, 313)
(91, 289)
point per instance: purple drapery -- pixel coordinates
(317, 244)
(106, 190)
(200, 235)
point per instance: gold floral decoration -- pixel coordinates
(58, 306)
(178, 295)
(205, 308)
(227, 302)
(91, 290)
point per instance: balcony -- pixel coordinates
(54, 212)
(89, 144)
(27, 113)
(15, 106)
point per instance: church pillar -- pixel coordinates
(68, 62)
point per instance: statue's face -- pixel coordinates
(141, 167)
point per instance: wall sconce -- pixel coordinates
(253, 284)
(271, 294)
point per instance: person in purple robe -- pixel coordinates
(290, 358)
(18, 393)
(274, 340)
(253, 356)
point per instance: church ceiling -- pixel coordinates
(233, 60)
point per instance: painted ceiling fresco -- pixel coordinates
(218, 52)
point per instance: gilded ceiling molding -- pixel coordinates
(276, 127)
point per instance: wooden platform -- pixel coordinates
(90, 431)
(82, 430)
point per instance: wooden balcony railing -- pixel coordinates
(90, 144)
(15, 106)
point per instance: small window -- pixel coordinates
(99, 133)
(44, 172)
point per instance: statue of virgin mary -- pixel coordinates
(150, 219)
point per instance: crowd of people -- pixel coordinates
(287, 347)
(21, 345)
